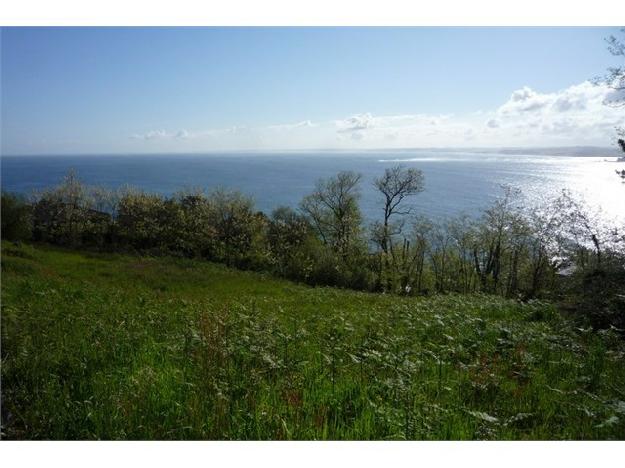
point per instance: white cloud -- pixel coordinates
(616, 96)
(492, 123)
(388, 127)
(152, 135)
(355, 124)
(523, 100)
(576, 115)
(574, 98)
(161, 135)
(292, 126)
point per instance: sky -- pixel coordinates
(154, 90)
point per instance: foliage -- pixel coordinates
(511, 250)
(333, 211)
(240, 231)
(16, 218)
(615, 76)
(143, 220)
(66, 214)
(292, 243)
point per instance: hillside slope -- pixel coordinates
(121, 347)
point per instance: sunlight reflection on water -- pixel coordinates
(594, 179)
(541, 178)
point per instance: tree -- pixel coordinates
(440, 245)
(492, 239)
(395, 185)
(66, 214)
(16, 217)
(615, 77)
(192, 233)
(141, 220)
(462, 233)
(287, 235)
(543, 242)
(585, 227)
(421, 230)
(333, 211)
(621, 143)
(240, 229)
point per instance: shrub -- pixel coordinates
(66, 215)
(142, 220)
(240, 231)
(16, 217)
(288, 232)
(599, 301)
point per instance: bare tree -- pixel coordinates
(421, 231)
(585, 226)
(615, 77)
(491, 240)
(395, 185)
(441, 244)
(462, 233)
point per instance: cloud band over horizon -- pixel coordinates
(574, 116)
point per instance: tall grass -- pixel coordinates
(101, 346)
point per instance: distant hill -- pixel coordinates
(559, 151)
(607, 151)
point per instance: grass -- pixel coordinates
(99, 346)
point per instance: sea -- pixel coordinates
(456, 182)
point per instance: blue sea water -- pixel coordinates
(456, 182)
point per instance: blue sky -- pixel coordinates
(111, 90)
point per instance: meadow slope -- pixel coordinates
(102, 346)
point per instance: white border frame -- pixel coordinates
(312, 13)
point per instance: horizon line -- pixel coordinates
(331, 150)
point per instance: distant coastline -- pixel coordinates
(569, 151)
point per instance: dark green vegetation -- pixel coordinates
(121, 347)
(16, 217)
(560, 251)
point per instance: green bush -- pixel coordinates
(67, 215)
(240, 231)
(600, 301)
(288, 232)
(16, 217)
(142, 221)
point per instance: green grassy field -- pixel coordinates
(101, 346)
